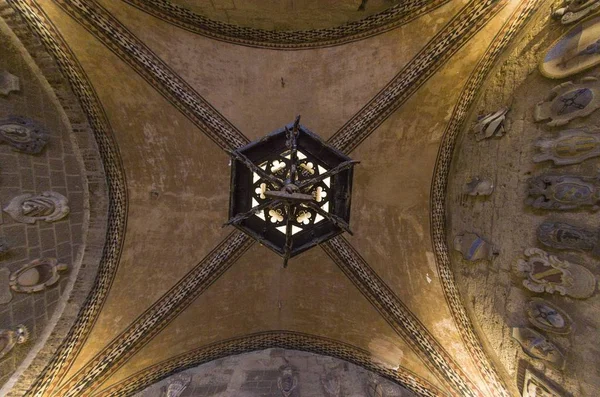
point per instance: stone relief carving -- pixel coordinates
(10, 338)
(547, 273)
(534, 386)
(576, 10)
(23, 134)
(287, 381)
(8, 83)
(5, 294)
(548, 317)
(473, 247)
(537, 346)
(177, 385)
(563, 192)
(29, 208)
(37, 275)
(569, 101)
(492, 125)
(331, 385)
(560, 235)
(569, 147)
(575, 51)
(480, 187)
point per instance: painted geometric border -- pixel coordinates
(440, 182)
(393, 17)
(117, 188)
(266, 340)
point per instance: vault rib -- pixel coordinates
(134, 52)
(154, 319)
(267, 340)
(392, 18)
(470, 20)
(399, 317)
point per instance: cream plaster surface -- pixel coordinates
(259, 90)
(166, 235)
(256, 294)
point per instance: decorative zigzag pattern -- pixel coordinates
(440, 181)
(436, 53)
(402, 320)
(384, 21)
(153, 320)
(267, 340)
(134, 52)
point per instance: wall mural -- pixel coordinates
(564, 236)
(535, 386)
(478, 186)
(287, 381)
(176, 385)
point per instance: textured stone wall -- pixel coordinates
(70, 165)
(492, 290)
(57, 168)
(256, 375)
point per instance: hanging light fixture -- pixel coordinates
(290, 190)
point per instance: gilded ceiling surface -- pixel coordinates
(170, 88)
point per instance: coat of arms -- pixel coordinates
(547, 273)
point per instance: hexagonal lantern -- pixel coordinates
(290, 190)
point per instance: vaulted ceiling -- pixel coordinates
(169, 87)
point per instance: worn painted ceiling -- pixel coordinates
(173, 92)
